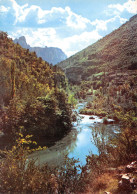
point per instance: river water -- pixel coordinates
(84, 139)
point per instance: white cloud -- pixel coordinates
(119, 7)
(102, 24)
(80, 36)
(66, 16)
(76, 43)
(130, 6)
(20, 11)
(36, 37)
(72, 32)
(76, 21)
(48, 37)
(122, 20)
(4, 9)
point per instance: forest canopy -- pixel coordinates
(33, 93)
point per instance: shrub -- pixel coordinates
(18, 174)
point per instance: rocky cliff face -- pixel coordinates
(22, 42)
(50, 54)
(115, 52)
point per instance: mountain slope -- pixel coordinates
(117, 52)
(32, 93)
(50, 54)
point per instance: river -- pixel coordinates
(80, 142)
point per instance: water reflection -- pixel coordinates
(87, 136)
(55, 155)
(84, 146)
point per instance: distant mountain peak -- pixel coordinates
(22, 38)
(22, 41)
(52, 55)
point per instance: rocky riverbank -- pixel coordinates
(120, 180)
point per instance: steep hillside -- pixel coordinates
(115, 53)
(52, 55)
(32, 93)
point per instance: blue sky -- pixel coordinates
(70, 25)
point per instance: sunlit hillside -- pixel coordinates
(114, 56)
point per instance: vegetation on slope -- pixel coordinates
(33, 100)
(104, 75)
(111, 92)
(113, 55)
(20, 175)
(33, 93)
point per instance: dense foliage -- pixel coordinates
(34, 100)
(116, 101)
(18, 174)
(104, 75)
(32, 93)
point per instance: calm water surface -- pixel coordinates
(78, 143)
